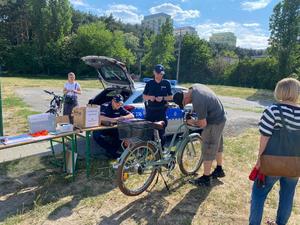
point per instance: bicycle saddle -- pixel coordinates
(158, 125)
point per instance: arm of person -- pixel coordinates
(65, 90)
(266, 126)
(125, 114)
(262, 146)
(107, 119)
(148, 98)
(77, 91)
(197, 123)
(146, 95)
(169, 96)
(126, 117)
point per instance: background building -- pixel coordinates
(155, 21)
(226, 38)
(185, 30)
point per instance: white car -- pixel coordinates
(114, 77)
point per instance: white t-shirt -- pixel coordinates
(72, 86)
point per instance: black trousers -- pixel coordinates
(109, 140)
(68, 109)
(156, 115)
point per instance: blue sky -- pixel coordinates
(248, 19)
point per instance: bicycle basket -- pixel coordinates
(135, 129)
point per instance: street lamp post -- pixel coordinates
(178, 60)
(1, 115)
(140, 53)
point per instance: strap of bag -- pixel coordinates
(75, 88)
(282, 117)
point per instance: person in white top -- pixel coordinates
(71, 91)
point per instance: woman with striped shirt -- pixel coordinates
(287, 93)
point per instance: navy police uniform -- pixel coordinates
(109, 139)
(156, 111)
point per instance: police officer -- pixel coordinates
(109, 139)
(156, 94)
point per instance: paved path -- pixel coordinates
(39, 101)
(241, 114)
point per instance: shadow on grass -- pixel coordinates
(263, 97)
(23, 190)
(150, 209)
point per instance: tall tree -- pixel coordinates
(160, 48)
(15, 21)
(96, 39)
(60, 19)
(39, 19)
(195, 57)
(285, 27)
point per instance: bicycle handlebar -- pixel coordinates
(52, 93)
(48, 92)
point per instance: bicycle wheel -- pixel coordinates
(190, 158)
(135, 174)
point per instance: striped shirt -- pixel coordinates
(271, 119)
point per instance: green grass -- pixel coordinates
(239, 92)
(256, 109)
(15, 112)
(17, 82)
(86, 201)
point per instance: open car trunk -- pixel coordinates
(107, 94)
(111, 72)
(113, 76)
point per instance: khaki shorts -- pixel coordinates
(212, 137)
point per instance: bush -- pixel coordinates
(256, 73)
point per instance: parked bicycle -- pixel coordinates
(56, 102)
(144, 157)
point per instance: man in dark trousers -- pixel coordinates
(111, 112)
(156, 94)
(211, 117)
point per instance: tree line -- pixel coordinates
(50, 37)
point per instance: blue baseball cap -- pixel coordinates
(118, 98)
(159, 69)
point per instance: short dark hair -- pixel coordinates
(178, 99)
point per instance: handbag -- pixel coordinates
(282, 154)
(71, 100)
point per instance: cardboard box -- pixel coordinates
(69, 161)
(87, 116)
(62, 119)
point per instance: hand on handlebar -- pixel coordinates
(190, 122)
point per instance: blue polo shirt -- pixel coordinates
(108, 111)
(160, 89)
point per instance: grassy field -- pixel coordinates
(239, 92)
(35, 193)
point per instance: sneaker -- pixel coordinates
(202, 181)
(218, 173)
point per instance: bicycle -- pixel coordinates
(55, 105)
(144, 157)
